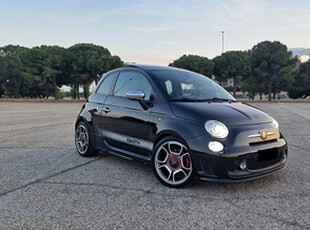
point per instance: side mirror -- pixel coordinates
(138, 95)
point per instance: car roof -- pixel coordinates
(151, 67)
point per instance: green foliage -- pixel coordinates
(61, 94)
(86, 63)
(73, 94)
(232, 64)
(2, 63)
(46, 63)
(273, 64)
(67, 94)
(86, 90)
(41, 70)
(2, 77)
(250, 87)
(90, 60)
(14, 50)
(194, 63)
(301, 85)
(267, 68)
(11, 67)
(231, 89)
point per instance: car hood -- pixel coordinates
(234, 113)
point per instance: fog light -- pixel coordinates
(216, 146)
(243, 165)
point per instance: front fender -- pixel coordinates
(178, 127)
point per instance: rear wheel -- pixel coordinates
(83, 141)
(172, 163)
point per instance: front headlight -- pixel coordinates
(275, 123)
(216, 129)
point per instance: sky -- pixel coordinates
(157, 31)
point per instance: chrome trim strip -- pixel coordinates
(258, 135)
(128, 140)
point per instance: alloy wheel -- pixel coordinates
(173, 163)
(82, 139)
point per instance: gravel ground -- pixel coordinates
(45, 184)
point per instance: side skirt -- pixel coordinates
(126, 154)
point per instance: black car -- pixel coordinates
(182, 123)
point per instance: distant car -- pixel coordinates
(182, 123)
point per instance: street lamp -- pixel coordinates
(222, 41)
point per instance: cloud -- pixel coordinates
(71, 20)
(255, 16)
(166, 43)
(150, 29)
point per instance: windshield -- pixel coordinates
(181, 85)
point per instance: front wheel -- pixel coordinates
(172, 163)
(83, 141)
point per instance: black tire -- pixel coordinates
(172, 162)
(83, 140)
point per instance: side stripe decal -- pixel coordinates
(128, 140)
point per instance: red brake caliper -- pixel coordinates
(84, 139)
(187, 161)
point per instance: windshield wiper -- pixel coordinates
(184, 99)
(215, 99)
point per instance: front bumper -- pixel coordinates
(261, 160)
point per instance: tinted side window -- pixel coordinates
(132, 81)
(107, 84)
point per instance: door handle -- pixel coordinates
(106, 109)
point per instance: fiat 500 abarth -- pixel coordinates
(182, 123)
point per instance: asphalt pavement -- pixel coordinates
(45, 184)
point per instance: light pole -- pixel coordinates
(222, 41)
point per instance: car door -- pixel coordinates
(125, 122)
(100, 96)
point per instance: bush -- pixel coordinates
(61, 94)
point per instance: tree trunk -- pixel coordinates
(78, 90)
(17, 87)
(73, 90)
(260, 96)
(269, 88)
(46, 91)
(55, 88)
(274, 95)
(22, 91)
(97, 78)
(5, 90)
(86, 90)
(46, 86)
(234, 92)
